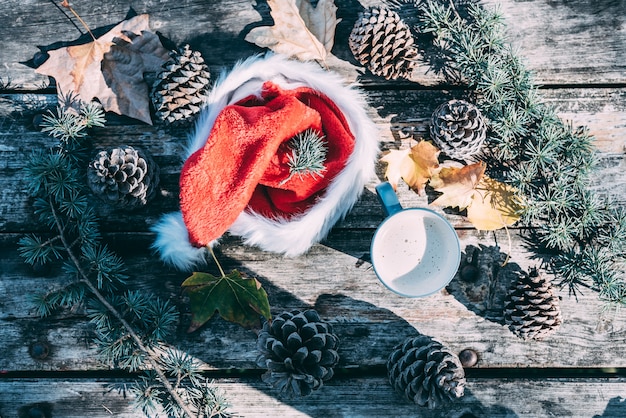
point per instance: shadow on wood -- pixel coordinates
(483, 280)
(615, 408)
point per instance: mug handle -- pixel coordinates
(388, 198)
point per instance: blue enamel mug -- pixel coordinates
(415, 252)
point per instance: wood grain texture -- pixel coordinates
(336, 279)
(395, 112)
(576, 50)
(335, 276)
(564, 42)
(354, 398)
(578, 37)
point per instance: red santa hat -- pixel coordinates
(236, 177)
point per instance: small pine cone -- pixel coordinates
(182, 87)
(381, 41)
(531, 307)
(123, 176)
(458, 129)
(299, 350)
(426, 372)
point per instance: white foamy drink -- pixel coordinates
(415, 252)
(412, 252)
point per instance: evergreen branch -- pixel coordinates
(128, 328)
(34, 250)
(84, 278)
(548, 160)
(63, 125)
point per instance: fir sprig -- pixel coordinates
(307, 154)
(130, 327)
(203, 396)
(200, 394)
(548, 160)
(72, 118)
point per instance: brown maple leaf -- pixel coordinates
(425, 157)
(110, 68)
(458, 185)
(300, 30)
(490, 204)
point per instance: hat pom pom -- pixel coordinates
(172, 243)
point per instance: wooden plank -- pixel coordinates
(336, 279)
(16, 212)
(603, 111)
(340, 397)
(578, 38)
(564, 43)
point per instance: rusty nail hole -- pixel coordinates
(39, 350)
(468, 357)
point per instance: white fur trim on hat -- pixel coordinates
(295, 235)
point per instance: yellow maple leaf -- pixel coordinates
(494, 205)
(92, 70)
(399, 165)
(415, 165)
(300, 30)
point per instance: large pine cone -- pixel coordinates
(382, 42)
(123, 176)
(425, 372)
(531, 307)
(182, 87)
(458, 129)
(299, 350)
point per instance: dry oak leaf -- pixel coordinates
(490, 204)
(300, 30)
(110, 68)
(415, 165)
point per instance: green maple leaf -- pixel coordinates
(237, 299)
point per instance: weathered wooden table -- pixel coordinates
(577, 50)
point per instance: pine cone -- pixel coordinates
(381, 41)
(299, 350)
(182, 87)
(458, 129)
(123, 176)
(531, 308)
(427, 373)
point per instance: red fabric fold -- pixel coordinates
(243, 162)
